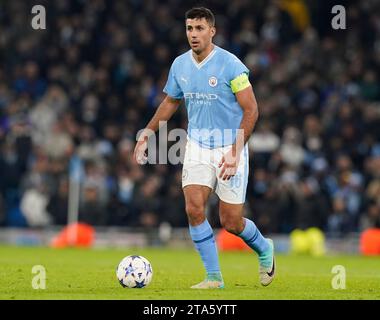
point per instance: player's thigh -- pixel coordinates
(197, 167)
(231, 216)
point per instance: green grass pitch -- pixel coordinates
(90, 274)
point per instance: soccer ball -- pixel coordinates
(134, 272)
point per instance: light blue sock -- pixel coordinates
(252, 236)
(204, 241)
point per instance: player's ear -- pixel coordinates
(213, 31)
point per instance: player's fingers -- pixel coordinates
(136, 156)
(221, 174)
(221, 161)
(228, 177)
(142, 160)
(226, 169)
(141, 157)
(227, 174)
(138, 150)
(231, 173)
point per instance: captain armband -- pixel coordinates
(240, 83)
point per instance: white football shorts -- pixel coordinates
(200, 167)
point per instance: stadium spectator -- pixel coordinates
(370, 218)
(58, 203)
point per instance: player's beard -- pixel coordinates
(197, 51)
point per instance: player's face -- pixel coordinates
(199, 34)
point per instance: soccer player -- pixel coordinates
(222, 112)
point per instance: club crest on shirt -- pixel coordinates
(213, 81)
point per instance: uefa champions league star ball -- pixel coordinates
(134, 272)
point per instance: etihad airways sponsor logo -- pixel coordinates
(201, 95)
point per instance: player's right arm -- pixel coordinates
(164, 112)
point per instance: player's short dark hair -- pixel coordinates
(199, 13)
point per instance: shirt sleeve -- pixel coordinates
(172, 88)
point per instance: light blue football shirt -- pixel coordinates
(213, 112)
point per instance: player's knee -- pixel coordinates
(195, 212)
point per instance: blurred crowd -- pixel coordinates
(94, 77)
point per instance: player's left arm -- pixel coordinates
(247, 101)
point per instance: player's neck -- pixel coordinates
(203, 55)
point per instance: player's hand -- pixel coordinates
(229, 164)
(140, 154)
